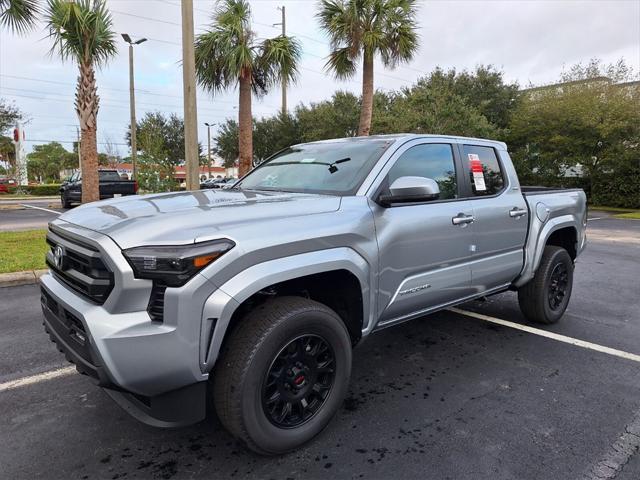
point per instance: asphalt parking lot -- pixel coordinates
(448, 396)
(34, 216)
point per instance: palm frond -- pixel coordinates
(278, 59)
(342, 63)
(225, 52)
(19, 15)
(81, 30)
(387, 27)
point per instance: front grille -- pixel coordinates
(156, 302)
(79, 265)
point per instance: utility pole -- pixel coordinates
(189, 88)
(283, 23)
(132, 104)
(209, 125)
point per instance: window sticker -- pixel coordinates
(478, 173)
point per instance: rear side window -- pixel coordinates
(432, 160)
(483, 169)
(109, 175)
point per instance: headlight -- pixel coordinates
(175, 265)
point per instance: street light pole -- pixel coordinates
(189, 89)
(132, 104)
(209, 125)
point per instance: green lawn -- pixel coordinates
(612, 209)
(21, 251)
(632, 215)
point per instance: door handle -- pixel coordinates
(462, 219)
(516, 212)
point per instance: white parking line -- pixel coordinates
(40, 377)
(41, 208)
(551, 335)
(594, 218)
(61, 372)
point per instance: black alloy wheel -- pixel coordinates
(558, 283)
(298, 381)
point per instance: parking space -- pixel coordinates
(444, 396)
(28, 215)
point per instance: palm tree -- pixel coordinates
(18, 15)
(82, 32)
(229, 54)
(361, 29)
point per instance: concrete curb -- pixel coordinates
(14, 279)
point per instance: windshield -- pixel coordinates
(337, 168)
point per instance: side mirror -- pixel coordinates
(411, 189)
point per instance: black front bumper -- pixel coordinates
(184, 406)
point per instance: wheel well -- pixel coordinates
(566, 238)
(339, 290)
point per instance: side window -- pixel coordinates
(433, 160)
(484, 170)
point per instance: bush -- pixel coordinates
(37, 190)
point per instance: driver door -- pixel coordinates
(424, 257)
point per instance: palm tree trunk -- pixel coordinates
(245, 125)
(366, 111)
(87, 109)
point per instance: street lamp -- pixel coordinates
(132, 103)
(209, 125)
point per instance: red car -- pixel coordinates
(5, 183)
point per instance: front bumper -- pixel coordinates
(178, 407)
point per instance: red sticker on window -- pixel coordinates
(476, 165)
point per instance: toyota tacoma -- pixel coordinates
(250, 299)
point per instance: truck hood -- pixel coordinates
(186, 217)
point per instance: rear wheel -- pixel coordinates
(544, 298)
(282, 374)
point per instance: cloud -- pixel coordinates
(532, 41)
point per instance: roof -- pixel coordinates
(403, 137)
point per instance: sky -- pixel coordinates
(531, 41)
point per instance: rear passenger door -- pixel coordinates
(500, 216)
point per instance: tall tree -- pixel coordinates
(9, 115)
(229, 54)
(361, 29)
(46, 161)
(82, 31)
(18, 15)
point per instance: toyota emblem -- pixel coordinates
(58, 256)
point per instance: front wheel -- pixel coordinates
(64, 201)
(546, 296)
(282, 374)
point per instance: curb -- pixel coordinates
(15, 279)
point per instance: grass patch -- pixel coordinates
(21, 251)
(631, 215)
(612, 209)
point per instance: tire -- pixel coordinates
(64, 201)
(545, 297)
(244, 380)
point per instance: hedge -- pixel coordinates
(50, 189)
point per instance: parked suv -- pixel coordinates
(262, 290)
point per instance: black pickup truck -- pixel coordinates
(111, 185)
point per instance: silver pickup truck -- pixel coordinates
(250, 299)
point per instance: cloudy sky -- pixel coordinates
(531, 41)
